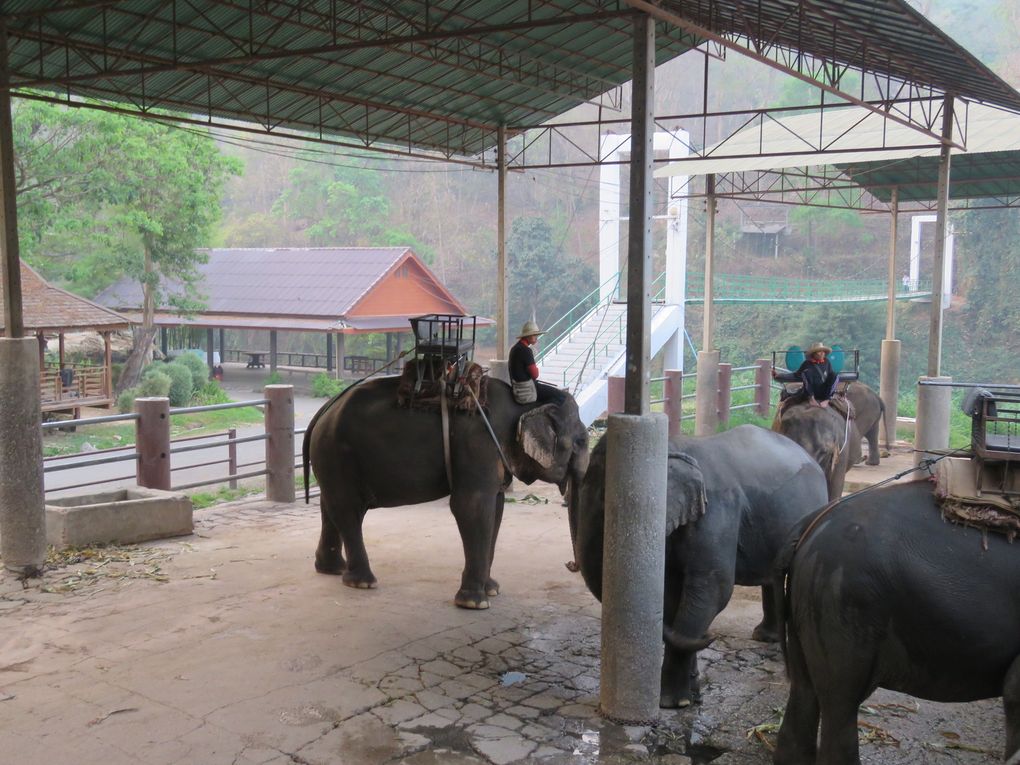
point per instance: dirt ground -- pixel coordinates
(226, 647)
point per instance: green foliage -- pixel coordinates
(126, 400)
(324, 386)
(199, 369)
(273, 378)
(544, 283)
(203, 499)
(209, 393)
(181, 383)
(154, 383)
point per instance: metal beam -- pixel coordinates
(502, 333)
(639, 231)
(941, 226)
(14, 324)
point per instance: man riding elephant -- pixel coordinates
(816, 375)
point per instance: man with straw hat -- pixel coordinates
(521, 362)
(816, 373)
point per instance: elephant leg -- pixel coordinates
(491, 585)
(771, 601)
(872, 436)
(348, 516)
(1011, 704)
(475, 515)
(797, 742)
(698, 606)
(329, 558)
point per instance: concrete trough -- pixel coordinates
(121, 516)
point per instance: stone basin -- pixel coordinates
(120, 516)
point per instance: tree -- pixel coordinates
(101, 196)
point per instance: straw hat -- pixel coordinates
(530, 328)
(815, 347)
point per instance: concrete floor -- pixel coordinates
(226, 647)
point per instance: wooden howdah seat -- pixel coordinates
(995, 439)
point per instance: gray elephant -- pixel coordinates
(869, 418)
(884, 593)
(731, 499)
(366, 451)
(824, 434)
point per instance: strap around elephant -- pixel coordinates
(445, 410)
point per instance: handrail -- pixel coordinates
(550, 345)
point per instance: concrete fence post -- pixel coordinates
(763, 393)
(674, 395)
(22, 507)
(725, 392)
(152, 440)
(615, 394)
(280, 443)
(706, 413)
(889, 383)
(634, 561)
(933, 402)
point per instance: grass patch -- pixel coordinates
(203, 499)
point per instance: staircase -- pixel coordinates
(583, 354)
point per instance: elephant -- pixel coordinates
(881, 592)
(833, 440)
(730, 500)
(825, 435)
(367, 451)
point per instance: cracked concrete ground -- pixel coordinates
(227, 647)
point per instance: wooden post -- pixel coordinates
(108, 364)
(60, 351)
(152, 440)
(210, 348)
(329, 351)
(272, 351)
(674, 400)
(280, 443)
(763, 393)
(340, 337)
(232, 457)
(725, 392)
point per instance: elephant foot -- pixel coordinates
(470, 599)
(765, 634)
(360, 581)
(492, 587)
(875, 462)
(669, 701)
(333, 565)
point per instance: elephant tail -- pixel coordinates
(686, 644)
(885, 424)
(307, 440)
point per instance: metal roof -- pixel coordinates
(442, 74)
(51, 309)
(874, 153)
(313, 288)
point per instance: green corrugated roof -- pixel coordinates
(438, 75)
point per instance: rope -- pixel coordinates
(502, 457)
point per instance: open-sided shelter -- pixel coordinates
(331, 291)
(50, 311)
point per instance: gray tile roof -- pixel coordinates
(285, 281)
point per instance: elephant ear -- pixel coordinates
(536, 433)
(686, 501)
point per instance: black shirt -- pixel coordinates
(521, 357)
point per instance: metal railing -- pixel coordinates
(563, 328)
(181, 445)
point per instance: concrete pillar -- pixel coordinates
(280, 443)
(763, 393)
(933, 402)
(272, 351)
(152, 440)
(340, 353)
(708, 332)
(889, 382)
(223, 345)
(615, 394)
(633, 566)
(706, 399)
(22, 514)
(725, 392)
(329, 351)
(674, 400)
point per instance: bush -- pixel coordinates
(181, 385)
(155, 382)
(126, 400)
(324, 386)
(210, 393)
(273, 378)
(198, 368)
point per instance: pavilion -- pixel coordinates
(332, 291)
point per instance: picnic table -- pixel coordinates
(255, 359)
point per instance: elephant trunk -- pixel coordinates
(685, 644)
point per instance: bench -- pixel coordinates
(995, 437)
